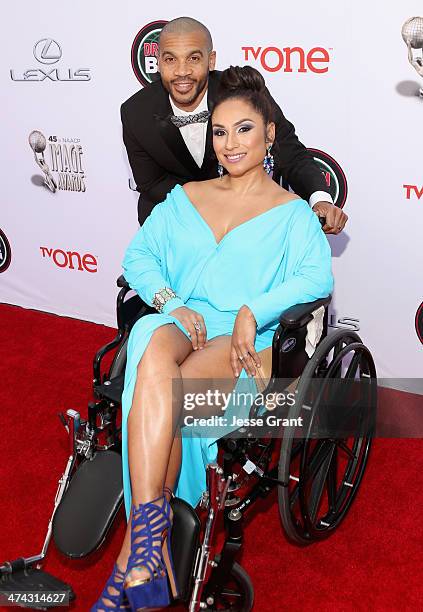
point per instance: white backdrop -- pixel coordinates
(363, 111)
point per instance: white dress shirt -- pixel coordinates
(194, 136)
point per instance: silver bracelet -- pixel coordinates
(161, 297)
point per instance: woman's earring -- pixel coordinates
(220, 170)
(268, 162)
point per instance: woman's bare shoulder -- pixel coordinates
(283, 196)
(194, 189)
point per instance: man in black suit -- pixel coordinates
(168, 137)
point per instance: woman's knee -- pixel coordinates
(167, 346)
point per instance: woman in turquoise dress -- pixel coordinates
(220, 260)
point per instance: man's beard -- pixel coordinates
(197, 91)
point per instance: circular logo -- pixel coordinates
(334, 176)
(47, 51)
(288, 345)
(144, 52)
(5, 252)
(419, 322)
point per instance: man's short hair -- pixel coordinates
(186, 25)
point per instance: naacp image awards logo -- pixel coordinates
(63, 169)
(48, 52)
(5, 252)
(412, 35)
(335, 178)
(144, 52)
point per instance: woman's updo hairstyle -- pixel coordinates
(246, 83)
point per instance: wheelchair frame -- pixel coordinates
(206, 576)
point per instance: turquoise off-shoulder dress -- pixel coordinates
(276, 259)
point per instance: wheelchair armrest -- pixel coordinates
(103, 351)
(300, 314)
(122, 282)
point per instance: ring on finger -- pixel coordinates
(197, 326)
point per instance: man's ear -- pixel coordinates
(271, 132)
(212, 60)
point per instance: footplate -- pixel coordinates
(90, 505)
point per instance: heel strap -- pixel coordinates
(115, 581)
(149, 521)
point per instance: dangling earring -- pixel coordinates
(220, 170)
(268, 162)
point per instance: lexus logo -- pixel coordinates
(47, 51)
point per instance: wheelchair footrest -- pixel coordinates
(184, 543)
(35, 589)
(89, 506)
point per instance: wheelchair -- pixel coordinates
(317, 471)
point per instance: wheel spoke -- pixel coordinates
(353, 367)
(345, 448)
(338, 347)
(332, 480)
(318, 484)
(320, 453)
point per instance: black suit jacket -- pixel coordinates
(160, 159)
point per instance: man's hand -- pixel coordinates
(335, 217)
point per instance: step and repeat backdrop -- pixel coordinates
(348, 75)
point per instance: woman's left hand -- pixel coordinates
(243, 353)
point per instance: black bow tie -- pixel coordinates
(180, 121)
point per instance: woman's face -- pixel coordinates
(239, 136)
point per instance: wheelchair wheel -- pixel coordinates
(237, 594)
(323, 463)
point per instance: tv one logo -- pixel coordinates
(289, 59)
(413, 192)
(70, 259)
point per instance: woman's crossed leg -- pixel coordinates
(153, 449)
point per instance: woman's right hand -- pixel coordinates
(188, 318)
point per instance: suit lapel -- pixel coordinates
(170, 133)
(211, 97)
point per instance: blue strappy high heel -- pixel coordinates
(149, 522)
(119, 601)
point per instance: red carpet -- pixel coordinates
(373, 562)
